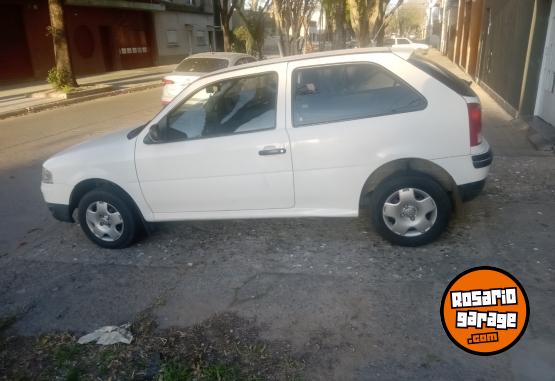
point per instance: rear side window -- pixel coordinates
(201, 65)
(334, 93)
(443, 75)
(243, 61)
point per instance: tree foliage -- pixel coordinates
(408, 19)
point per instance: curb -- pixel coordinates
(540, 133)
(67, 102)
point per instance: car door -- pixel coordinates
(221, 146)
(344, 119)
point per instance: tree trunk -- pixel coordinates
(382, 19)
(282, 27)
(359, 13)
(339, 23)
(61, 50)
(227, 36)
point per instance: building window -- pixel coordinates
(171, 37)
(201, 37)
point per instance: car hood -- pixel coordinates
(103, 157)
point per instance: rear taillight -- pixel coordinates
(167, 81)
(475, 123)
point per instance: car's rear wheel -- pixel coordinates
(107, 219)
(410, 210)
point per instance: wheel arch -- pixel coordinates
(408, 166)
(85, 186)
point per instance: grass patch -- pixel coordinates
(223, 348)
(174, 371)
(6, 322)
(66, 354)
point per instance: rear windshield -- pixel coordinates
(201, 65)
(443, 75)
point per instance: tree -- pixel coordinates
(359, 12)
(254, 19)
(62, 76)
(408, 19)
(227, 7)
(290, 16)
(381, 18)
(336, 11)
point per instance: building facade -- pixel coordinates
(183, 28)
(503, 44)
(103, 35)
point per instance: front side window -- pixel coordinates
(228, 107)
(334, 93)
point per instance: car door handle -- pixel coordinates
(271, 150)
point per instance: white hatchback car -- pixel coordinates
(406, 43)
(324, 135)
(197, 65)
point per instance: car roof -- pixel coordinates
(300, 57)
(231, 56)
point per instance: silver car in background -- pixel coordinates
(197, 65)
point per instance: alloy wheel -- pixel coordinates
(409, 212)
(104, 221)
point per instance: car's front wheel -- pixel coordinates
(410, 210)
(107, 219)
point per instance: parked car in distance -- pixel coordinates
(196, 66)
(322, 135)
(405, 42)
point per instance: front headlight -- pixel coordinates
(46, 176)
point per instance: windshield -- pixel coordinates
(201, 65)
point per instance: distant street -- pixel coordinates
(352, 306)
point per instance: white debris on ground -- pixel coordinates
(108, 335)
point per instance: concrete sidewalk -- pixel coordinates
(17, 99)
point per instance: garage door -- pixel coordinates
(14, 54)
(545, 107)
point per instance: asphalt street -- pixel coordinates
(350, 304)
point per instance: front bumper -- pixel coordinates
(61, 212)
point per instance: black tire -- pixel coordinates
(419, 183)
(129, 227)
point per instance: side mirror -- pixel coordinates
(156, 133)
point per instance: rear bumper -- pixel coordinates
(60, 212)
(483, 160)
(470, 191)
